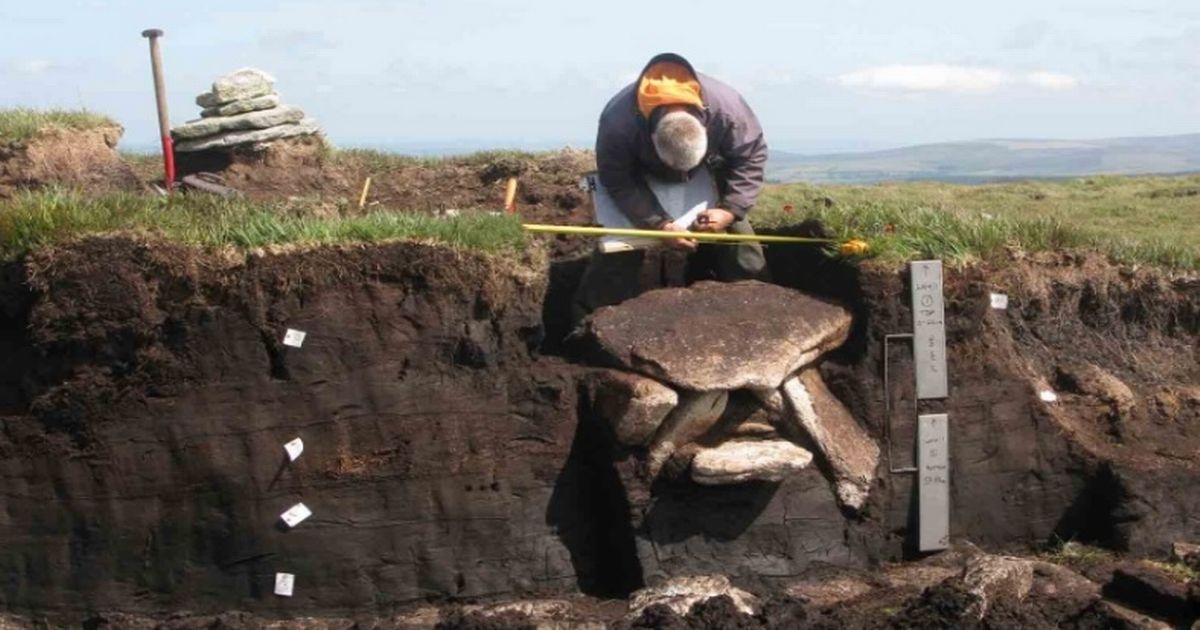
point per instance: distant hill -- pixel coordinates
(992, 160)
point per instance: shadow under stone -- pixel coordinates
(591, 513)
(683, 510)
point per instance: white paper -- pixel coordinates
(682, 201)
(294, 448)
(1048, 396)
(999, 301)
(296, 514)
(690, 216)
(284, 583)
(294, 338)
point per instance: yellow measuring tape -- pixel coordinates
(848, 248)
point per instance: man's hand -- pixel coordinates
(686, 244)
(714, 220)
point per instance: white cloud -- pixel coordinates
(1052, 80)
(33, 66)
(926, 78)
(950, 79)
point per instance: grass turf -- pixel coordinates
(21, 123)
(377, 162)
(1147, 220)
(34, 220)
(1140, 220)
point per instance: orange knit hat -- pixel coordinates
(667, 83)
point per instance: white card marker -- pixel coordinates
(1048, 396)
(999, 301)
(294, 449)
(284, 583)
(294, 338)
(296, 514)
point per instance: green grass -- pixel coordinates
(21, 123)
(1149, 220)
(33, 220)
(1177, 570)
(1078, 556)
(378, 162)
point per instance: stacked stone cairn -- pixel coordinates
(241, 110)
(683, 359)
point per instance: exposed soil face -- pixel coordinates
(1025, 471)
(65, 157)
(147, 395)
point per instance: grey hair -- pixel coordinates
(680, 140)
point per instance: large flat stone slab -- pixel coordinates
(739, 461)
(633, 405)
(851, 452)
(241, 107)
(252, 136)
(262, 119)
(718, 336)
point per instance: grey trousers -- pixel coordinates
(619, 276)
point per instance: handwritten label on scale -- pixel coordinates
(929, 329)
(933, 482)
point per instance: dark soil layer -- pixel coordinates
(145, 397)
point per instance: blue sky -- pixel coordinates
(478, 73)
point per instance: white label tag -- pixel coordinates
(933, 482)
(296, 514)
(294, 448)
(294, 338)
(284, 583)
(999, 301)
(1048, 396)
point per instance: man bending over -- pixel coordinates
(668, 125)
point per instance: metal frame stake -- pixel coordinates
(887, 404)
(160, 95)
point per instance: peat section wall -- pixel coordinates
(450, 450)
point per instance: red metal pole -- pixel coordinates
(160, 95)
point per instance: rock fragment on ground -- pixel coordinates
(633, 405)
(850, 451)
(993, 578)
(1187, 554)
(739, 461)
(680, 593)
(1145, 587)
(1106, 614)
(1091, 380)
(718, 336)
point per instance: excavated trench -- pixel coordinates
(452, 450)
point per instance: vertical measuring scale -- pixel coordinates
(933, 434)
(929, 329)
